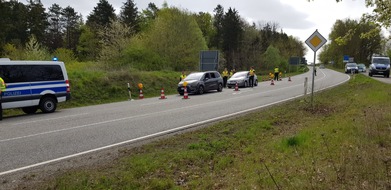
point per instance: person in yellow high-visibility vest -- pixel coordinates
(2, 89)
(251, 78)
(183, 76)
(225, 77)
(232, 72)
(276, 72)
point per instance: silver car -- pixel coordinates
(242, 78)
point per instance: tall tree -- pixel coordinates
(218, 24)
(130, 16)
(13, 19)
(37, 19)
(176, 37)
(205, 22)
(72, 21)
(347, 39)
(55, 29)
(148, 15)
(101, 16)
(232, 35)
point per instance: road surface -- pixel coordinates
(31, 141)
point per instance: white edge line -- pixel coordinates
(155, 134)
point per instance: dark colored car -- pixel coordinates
(351, 68)
(362, 67)
(242, 78)
(200, 82)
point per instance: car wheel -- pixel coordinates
(220, 88)
(256, 83)
(30, 110)
(48, 105)
(370, 74)
(201, 90)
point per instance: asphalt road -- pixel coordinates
(31, 141)
(379, 78)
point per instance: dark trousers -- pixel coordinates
(276, 76)
(225, 81)
(251, 81)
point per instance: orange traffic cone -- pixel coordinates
(185, 95)
(236, 87)
(289, 79)
(272, 83)
(162, 96)
(141, 96)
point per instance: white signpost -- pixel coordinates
(315, 41)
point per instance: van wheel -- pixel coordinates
(48, 105)
(30, 110)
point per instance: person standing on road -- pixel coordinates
(2, 89)
(251, 79)
(276, 73)
(225, 77)
(183, 76)
(232, 72)
(315, 71)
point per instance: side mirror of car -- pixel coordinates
(206, 79)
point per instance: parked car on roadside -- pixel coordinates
(351, 68)
(242, 78)
(361, 67)
(200, 82)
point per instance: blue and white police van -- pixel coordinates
(33, 85)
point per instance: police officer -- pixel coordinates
(183, 76)
(251, 79)
(232, 72)
(2, 89)
(225, 77)
(276, 72)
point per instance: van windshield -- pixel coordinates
(381, 61)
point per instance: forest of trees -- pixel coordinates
(156, 38)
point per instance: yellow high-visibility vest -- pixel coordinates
(2, 85)
(225, 73)
(252, 71)
(276, 70)
(183, 77)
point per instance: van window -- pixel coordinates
(30, 73)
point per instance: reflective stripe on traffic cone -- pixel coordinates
(162, 96)
(141, 96)
(236, 87)
(272, 83)
(185, 95)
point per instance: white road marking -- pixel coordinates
(49, 119)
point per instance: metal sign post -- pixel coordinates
(315, 41)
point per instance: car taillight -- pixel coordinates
(68, 86)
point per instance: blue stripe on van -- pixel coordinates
(55, 89)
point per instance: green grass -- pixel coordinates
(343, 142)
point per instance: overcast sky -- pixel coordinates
(298, 18)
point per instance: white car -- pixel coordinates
(242, 78)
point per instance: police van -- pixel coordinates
(33, 85)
